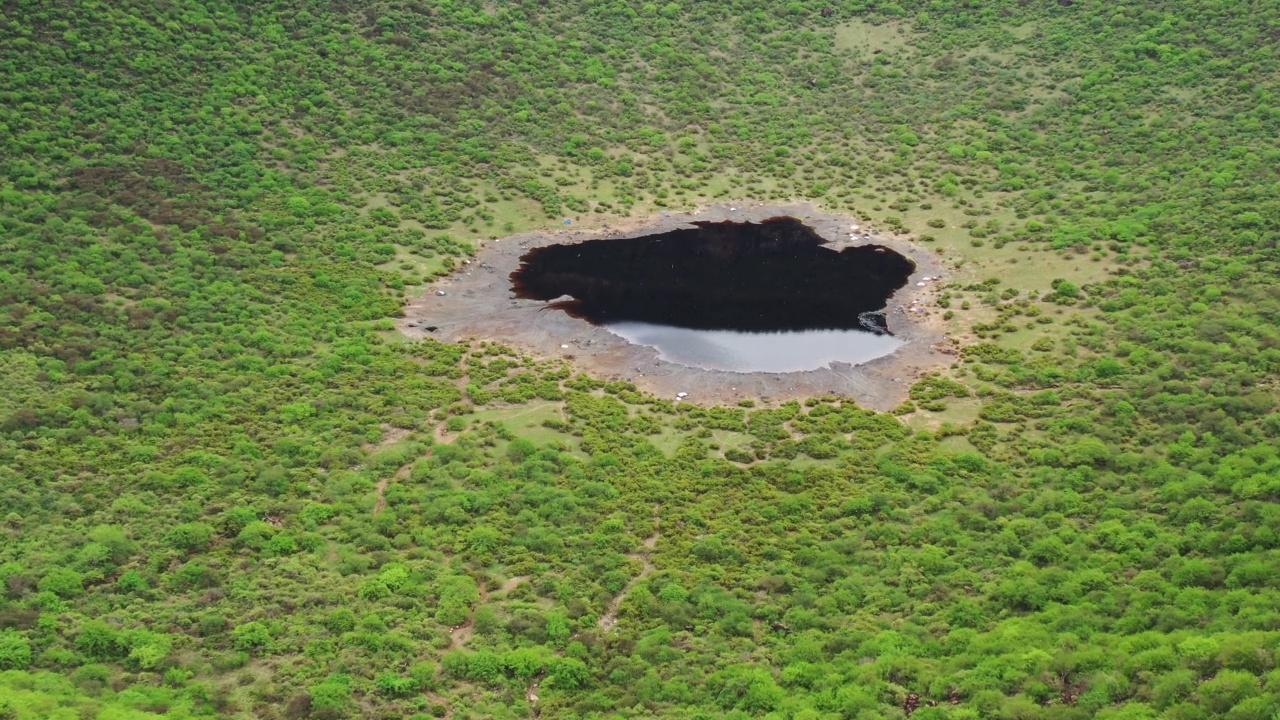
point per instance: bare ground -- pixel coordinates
(391, 436)
(511, 584)
(478, 305)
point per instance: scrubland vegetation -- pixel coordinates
(229, 489)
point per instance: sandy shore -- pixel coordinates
(478, 304)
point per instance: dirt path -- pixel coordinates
(533, 407)
(610, 618)
(401, 474)
(511, 584)
(460, 635)
(393, 435)
(442, 701)
(441, 434)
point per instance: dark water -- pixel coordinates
(732, 296)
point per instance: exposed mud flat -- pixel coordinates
(478, 303)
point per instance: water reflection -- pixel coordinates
(738, 351)
(767, 296)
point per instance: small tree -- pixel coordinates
(251, 636)
(98, 641)
(63, 582)
(189, 537)
(15, 651)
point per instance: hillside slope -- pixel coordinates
(230, 489)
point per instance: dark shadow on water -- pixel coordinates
(769, 277)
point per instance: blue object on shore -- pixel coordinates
(567, 221)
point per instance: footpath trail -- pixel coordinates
(393, 435)
(401, 474)
(610, 618)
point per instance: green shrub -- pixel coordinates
(251, 636)
(63, 582)
(189, 537)
(15, 650)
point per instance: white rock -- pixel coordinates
(440, 292)
(682, 394)
(564, 347)
(920, 284)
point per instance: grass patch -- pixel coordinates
(864, 38)
(524, 420)
(960, 411)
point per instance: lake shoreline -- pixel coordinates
(478, 304)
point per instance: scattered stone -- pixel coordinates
(440, 293)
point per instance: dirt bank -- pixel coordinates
(478, 304)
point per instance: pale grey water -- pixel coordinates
(735, 351)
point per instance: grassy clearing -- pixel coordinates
(958, 412)
(956, 444)
(526, 421)
(1028, 334)
(864, 38)
(728, 439)
(519, 416)
(1024, 31)
(415, 266)
(1024, 267)
(668, 440)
